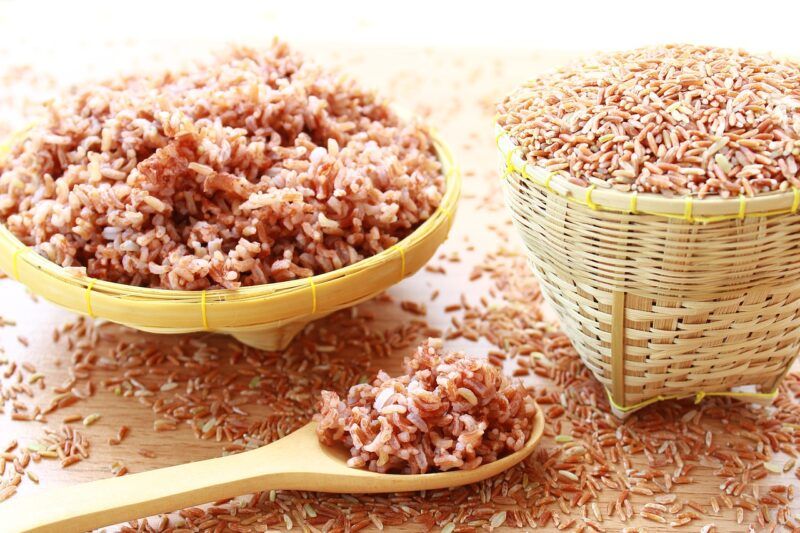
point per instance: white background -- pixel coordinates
(759, 25)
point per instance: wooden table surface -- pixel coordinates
(456, 89)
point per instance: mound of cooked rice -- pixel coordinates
(448, 411)
(676, 120)
(254, 168)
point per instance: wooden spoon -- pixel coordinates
(295, 462)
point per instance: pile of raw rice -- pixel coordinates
(254, 168)
(449, 411)
(676, 120)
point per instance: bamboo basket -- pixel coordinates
(263, 316)
(664, 298)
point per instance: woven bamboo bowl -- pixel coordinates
(664, 297)
(263, 316)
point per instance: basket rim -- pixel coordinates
(10, 244)
(688, 208)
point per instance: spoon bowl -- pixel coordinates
(296, 462)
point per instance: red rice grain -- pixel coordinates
(257, 167)
(675, 119)
(448, 411)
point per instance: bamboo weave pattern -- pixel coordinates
(660, 306)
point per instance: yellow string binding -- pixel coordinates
(547, 181)
(203, 313)
(742, 206)
(509, 155)
(752, 395)
(687, 209)
(634, 198)
(698, 397)
(88, 298)
(313, 295)
(14, 262)
(402, 262)
(589, 202)
(498, 136)
(796, 200)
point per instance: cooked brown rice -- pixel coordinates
(254, 168)
(675, 119)
(448, 411)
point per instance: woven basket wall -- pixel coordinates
(661, 307)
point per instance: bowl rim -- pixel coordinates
(688, 208)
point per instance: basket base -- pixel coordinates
(745, 394)
(272, 338)
(269, 337)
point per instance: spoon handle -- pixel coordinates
(114, 500)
